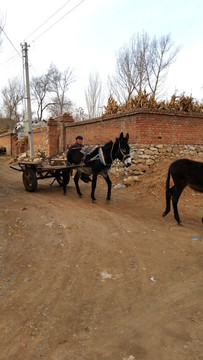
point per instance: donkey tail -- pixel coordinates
(168, 194)
(168, 180)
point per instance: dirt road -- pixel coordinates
(96, 281)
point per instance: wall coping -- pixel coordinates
(180, 114)
(6, 134)
(39, 130)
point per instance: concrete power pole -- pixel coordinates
(28, 112)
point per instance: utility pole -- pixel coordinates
(28, 112)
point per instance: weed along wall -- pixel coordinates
(153, 135)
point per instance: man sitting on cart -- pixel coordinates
(78, 145)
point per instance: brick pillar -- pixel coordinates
(14, 140)
(53, 136)
(64, 119)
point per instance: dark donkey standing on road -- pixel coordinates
(99, 161)
(184, 172)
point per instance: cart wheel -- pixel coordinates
(30, 180)
(63, 176)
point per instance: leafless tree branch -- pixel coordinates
(142, 65)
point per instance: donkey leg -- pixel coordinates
(175, 198)
(94, 183)
(76, 181)
(66, 176)
(169, 193)
(109, 184)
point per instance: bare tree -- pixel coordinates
(1, 30)
(12, 97)
(142, 65)
(78, 114)
(0, 35)
(130, 77)
(59, 85)
(40, 88)
(120, 84)
(93, 96)
(162, 54)
(49, 91)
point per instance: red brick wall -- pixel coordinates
(57, 133)
(165, 128)
(15, 147)
(5, 141)
(53, 136)
(40, 139)
(144, 126)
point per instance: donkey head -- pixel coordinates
(123, 149)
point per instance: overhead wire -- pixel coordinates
(43, 24)
(59, 20)
(20, 55)
(12, 57)
(56, 21)
(50, 17)
(10, 41)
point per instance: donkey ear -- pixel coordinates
(121, 136)
(127, 137)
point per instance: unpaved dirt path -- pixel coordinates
(96, 281)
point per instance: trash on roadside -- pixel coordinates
(153, 280)
(120, 186)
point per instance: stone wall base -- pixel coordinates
(144, 157)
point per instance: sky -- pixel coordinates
(85, 35)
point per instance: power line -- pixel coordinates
(10, 42)
(10, 59)
(56, 12)
(43, 24)
(14, 58)
(59, 19)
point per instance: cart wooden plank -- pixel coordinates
(43, 167)
(16, 167)
(32, 172)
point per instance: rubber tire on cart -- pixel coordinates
(60, 177)
(30, 180)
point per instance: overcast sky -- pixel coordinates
(86, 34)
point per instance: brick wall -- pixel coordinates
(144, 126)
(40, 140)
(6, 141)
(16, 147)
(57, 133)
